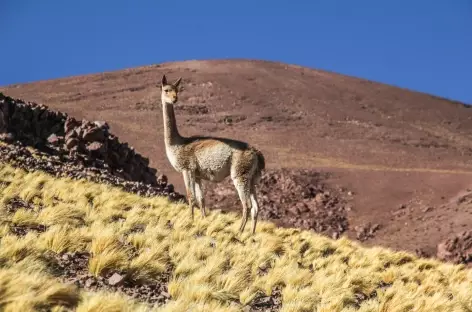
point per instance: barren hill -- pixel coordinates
(400, 158)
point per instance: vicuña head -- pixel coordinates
(213, 159)
(169, 91)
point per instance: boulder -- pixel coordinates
(94, 134)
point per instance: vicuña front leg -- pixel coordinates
(190, 187)
(199, 192)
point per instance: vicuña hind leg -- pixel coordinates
(254, 209)
(190, 187)
(199, 192)
(242, 186)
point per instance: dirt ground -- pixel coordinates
(397, 161)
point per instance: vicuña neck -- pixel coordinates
(171, 133)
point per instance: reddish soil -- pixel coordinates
(404, 156)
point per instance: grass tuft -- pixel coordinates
(20, 291)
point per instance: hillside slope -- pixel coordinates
(92, 247)
(401, 155)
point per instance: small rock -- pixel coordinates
(294, 210)
(169, 188)
(213, 243)
(442, 251)
(90, 282)
(53, 139)
(374, 228)
(319, 198)
(71, 134)
(162, 179)
(102, 124)
(367, 231)
(228, 120)
(427, 209)
(265, 300)
(96, 147)
(7, 137)
(116, 279)
(303, 208)
(421, 253)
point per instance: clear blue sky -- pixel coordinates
(422, 45)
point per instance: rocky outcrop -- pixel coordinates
(457, 249)
(33, 160)
(89, 143)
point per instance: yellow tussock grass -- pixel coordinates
(213, 268)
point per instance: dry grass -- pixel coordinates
(214, 268)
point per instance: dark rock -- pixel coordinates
(3, 121)
(94, 134)
(169, 188)
(72, 134)
(70, 124)
(45, 114)
(71, 143)
(162, 179)
(266, 303)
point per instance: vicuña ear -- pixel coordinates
(177, 82)
(164, 80)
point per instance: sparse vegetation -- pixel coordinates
(211, 267)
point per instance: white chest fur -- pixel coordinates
(171, 155)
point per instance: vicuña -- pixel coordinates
(213, 159)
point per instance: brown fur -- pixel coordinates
(201, 158)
